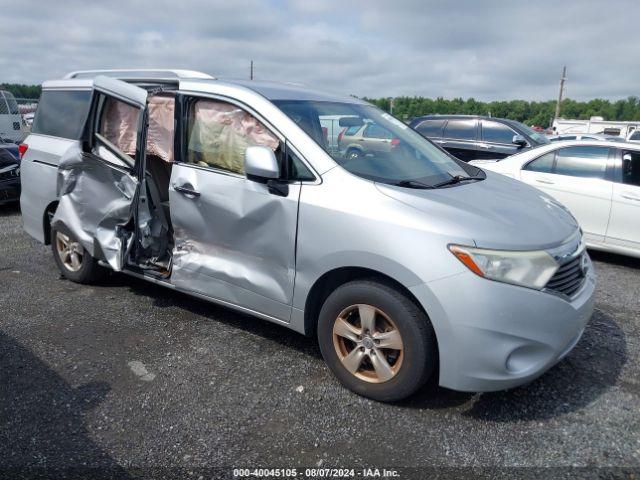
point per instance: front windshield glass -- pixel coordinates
(538, 137)
(372, 144)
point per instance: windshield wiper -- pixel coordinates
(412, 184)
(457, 179)
(451, 181)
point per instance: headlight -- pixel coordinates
(531, 269)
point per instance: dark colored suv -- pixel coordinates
(474, 138)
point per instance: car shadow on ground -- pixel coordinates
(589, 371)
(615, 259)
(163, 297)
(42, 428)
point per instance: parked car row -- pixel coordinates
(586, 136)
(9, 171)
(598, 181)
(475, 137)
(402, 260)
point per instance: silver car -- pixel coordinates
(404, 263)
(364, 139)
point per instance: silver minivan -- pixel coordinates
(404, 263)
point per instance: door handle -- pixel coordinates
(547, 182)
(630, 197)
(485, 146)
(186, 190)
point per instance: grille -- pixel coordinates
(8, 175)
(569, 277)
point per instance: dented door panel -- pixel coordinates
(97, 188)
(95, 204)
(234, 240)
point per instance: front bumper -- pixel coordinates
(9, 189)
(495, 336)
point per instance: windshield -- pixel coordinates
(372, 144)
(539, 138)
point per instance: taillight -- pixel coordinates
(395, 142)
(22, 149)
(341, 135)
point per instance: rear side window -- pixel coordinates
(374, 130)
(62, 113)
(497, 132)
(118, 124)
(352, 130)
(543, 164)
(431, 128)
(585, 162)
(635, 135)
(461, 129)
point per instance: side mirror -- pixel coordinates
(260, 164)
(519, 140)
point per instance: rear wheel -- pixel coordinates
(73, 260)
(376, 340)
(353, 154)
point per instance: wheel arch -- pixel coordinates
(336, 277)
(46, 221)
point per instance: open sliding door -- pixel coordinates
(99, 183)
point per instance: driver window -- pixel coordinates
(219, 133)
(497, 133)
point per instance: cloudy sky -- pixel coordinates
(487, 49)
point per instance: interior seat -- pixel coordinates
(160, 173)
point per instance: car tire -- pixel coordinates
(353, 154)
(73, 260)
(382, 323)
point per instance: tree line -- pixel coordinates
(22, 91)
(531, 113)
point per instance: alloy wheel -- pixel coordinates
(71, 252)
(368, 343)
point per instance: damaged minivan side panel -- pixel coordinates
(95, 204)
(97, 184)
(235, 238)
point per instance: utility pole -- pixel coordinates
(391, 105)
(562, 80)
(251, 71)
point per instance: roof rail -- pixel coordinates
(141, 74)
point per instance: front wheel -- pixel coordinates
(74, 262)
(376, 340)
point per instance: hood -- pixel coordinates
(497, 212)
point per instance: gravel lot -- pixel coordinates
(127, 376)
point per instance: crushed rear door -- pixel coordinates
(98, 183)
